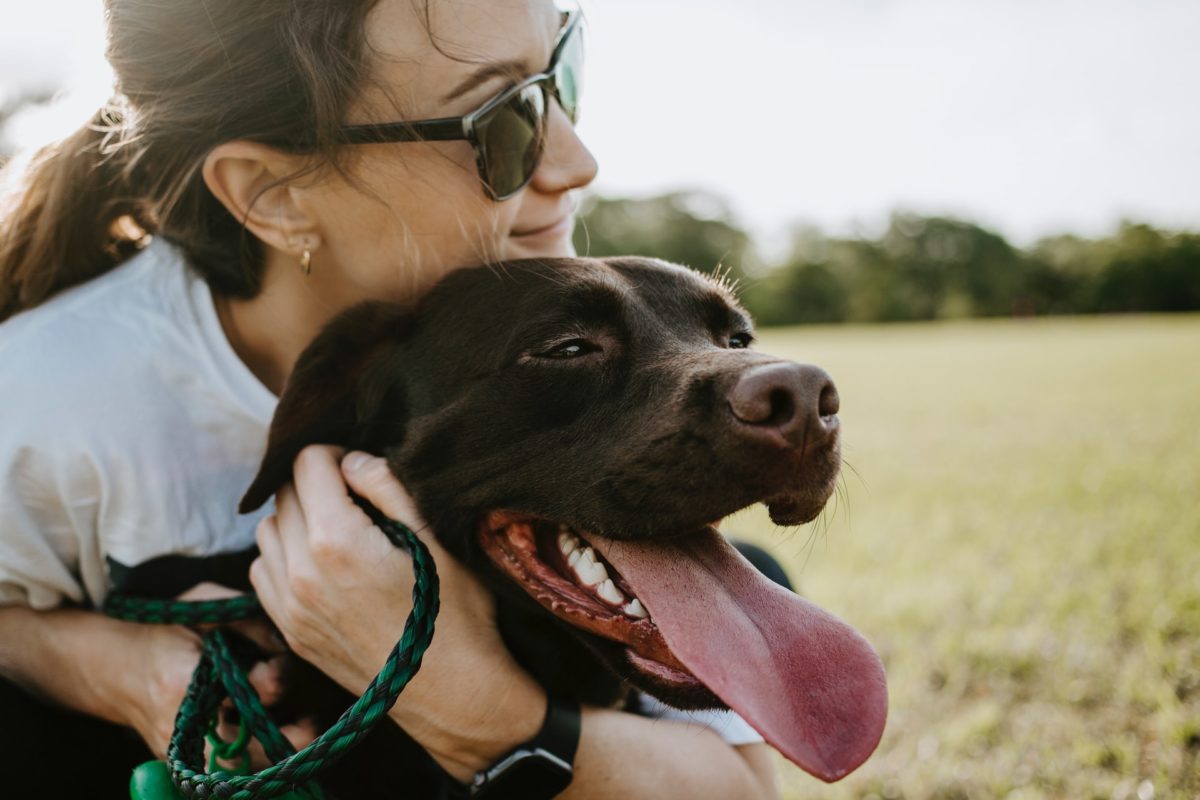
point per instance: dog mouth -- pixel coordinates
(693, 619)
(558, 567)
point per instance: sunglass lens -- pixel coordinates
(512, 140)
(567, 73)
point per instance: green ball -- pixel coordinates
(152, 781)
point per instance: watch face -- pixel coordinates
(526, 775)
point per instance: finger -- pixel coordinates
(209, 591)
(301, 733)
(270, 596)
(292, 527)
(322, 489)
(304, 538)
(268, 572)
(267, 585)
(371, 477)
(267, 679)
(262, 633)
(271, 559)
(258, 757)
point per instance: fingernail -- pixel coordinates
(354, 461)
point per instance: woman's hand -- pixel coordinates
(128, 673)
(163, 658)
(340, 592)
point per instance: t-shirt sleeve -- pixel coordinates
(46, 506)
(726, 724)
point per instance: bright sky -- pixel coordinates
(1032, 116)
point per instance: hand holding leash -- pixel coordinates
(339, 591)
(168, 655)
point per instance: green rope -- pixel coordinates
(218, 676)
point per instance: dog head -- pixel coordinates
(573, 430)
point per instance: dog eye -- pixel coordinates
(740, 341)
(572, 348)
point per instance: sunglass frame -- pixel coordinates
(468, 127)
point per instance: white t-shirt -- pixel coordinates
(129, 429)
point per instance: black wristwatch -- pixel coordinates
(542, 767)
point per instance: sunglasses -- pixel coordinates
(508, 132)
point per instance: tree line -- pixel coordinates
(919, 268)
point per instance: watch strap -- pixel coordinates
(560, 730)
(553, 747)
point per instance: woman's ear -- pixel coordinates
(252, 181)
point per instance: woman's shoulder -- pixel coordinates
(122, 349)
(149, 287)
(81, 342)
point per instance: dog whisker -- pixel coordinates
(862, 480)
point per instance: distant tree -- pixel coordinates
(803, 288)
(920, 268)
(1146, 269)
(692, 228)
(1062, 274)
(952, 268)
(803, 293)
(1140, 268)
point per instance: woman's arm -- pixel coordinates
(338, 590)
(122, 672)
(623, 755)
(128, 673)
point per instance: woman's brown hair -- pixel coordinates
(190, 74)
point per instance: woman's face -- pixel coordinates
(412, 211)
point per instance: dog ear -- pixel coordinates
(335, 394)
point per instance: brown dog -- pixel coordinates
(573, 430)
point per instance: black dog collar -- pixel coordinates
(542, 767)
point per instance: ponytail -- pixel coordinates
(71, 216)
(189, 77)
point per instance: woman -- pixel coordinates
(144, 382)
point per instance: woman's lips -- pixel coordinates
(554, 230)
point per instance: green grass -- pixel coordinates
(1019, 535)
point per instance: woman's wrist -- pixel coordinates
(466, 725)
(99, 663)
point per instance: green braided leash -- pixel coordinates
(218, 676)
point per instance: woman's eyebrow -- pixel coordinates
(486, 72)
(513, 68)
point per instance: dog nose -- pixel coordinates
(797, 401)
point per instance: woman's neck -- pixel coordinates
(270, 330)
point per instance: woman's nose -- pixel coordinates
(567, 163)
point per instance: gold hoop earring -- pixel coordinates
(306, 261)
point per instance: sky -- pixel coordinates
(1031, 117)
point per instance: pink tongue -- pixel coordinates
(809, 683)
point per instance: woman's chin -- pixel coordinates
(548, 244)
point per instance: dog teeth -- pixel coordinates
(609, 593)
(635, 609)
(589, 571)
(567, 542)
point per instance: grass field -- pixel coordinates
(1019, 536)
